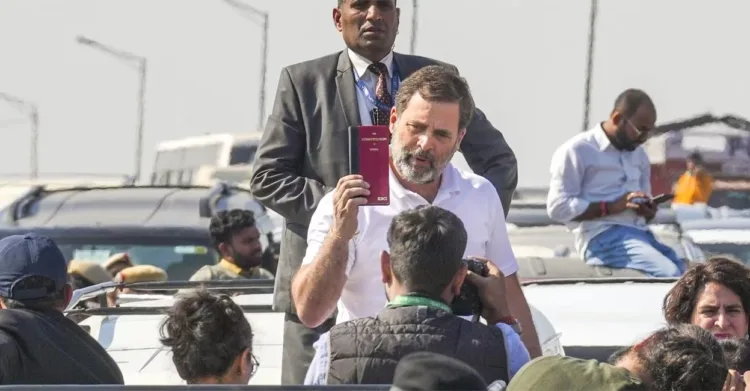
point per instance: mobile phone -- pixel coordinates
(662, 198)
(369, 153)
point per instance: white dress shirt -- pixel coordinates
(370, 79)
(471, 197)
(586, 169)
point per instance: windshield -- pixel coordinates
(179, 259)
(739, 250)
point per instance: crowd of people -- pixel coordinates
(371, 293)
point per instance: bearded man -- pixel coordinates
(342, 269)
(237, 240)
(600, 188)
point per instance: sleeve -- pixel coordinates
(320, 224)
(9, 359)
(317, 373)
(275, 180)
(499, 249)
(203, 274)
(563, 200)
(646, 174)
(518, 356)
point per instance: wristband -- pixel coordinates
(603, 208)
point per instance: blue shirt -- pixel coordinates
(317, 374)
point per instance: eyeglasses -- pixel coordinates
(255, 364)
(641, 134)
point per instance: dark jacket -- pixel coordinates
(44, 347)
(367, 350)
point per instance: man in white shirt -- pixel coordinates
(600, 188)
(341, 268)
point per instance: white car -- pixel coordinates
(597, 316)
(130, 332)
(729, 235)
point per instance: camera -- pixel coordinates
(468, 302)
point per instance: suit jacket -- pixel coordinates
(304, 150)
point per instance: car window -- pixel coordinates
(739, 250)
(242, 154)
(179, 261)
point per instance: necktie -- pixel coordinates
(380, 116)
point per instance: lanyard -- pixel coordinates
(394, 87)
(408, 301)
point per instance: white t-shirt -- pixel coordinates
(471, 197)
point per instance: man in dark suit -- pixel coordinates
(304, 149)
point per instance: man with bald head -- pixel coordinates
(304, 149)
(600, 188)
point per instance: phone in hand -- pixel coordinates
(662, 198)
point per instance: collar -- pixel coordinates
(231, 267)
(601, 138)
(449, 184)
(360, 63)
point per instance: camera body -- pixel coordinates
(468, 302)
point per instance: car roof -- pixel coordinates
(603, 311)
(534, 214)
(542, 268)
(125, 206)
(738, 223)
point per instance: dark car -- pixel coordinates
(165, 226)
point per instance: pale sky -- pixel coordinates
(525, 61)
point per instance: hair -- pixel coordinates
(680, 301)
(54, 301)
(206, 333)
(696, 157)
(341, 3)
(426, 248)
(438, 83)
(225, 224)
(630, 100)
(737, 353)
(682, 357)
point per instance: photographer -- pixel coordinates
(423, 273)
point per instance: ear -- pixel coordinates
(243, 363)
(393, 120)
(616, 117)
(385, 267)
(337, 19)
(67, 293)
(224, 250)
(398, 18)
(461, 134)
(458, 280)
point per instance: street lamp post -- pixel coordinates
(263, 56)
(141, 61)
(593, 12)
(414, 20)
(32, 111)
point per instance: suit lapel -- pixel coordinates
(347, 90)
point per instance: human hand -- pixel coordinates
(350, 193)
(492, 291)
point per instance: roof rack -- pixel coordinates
(257, 286)
(733, 121)
(207, 204)
(15, 210)
(607, 280)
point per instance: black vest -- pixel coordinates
(367, 350)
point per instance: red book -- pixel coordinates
(369, 153)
